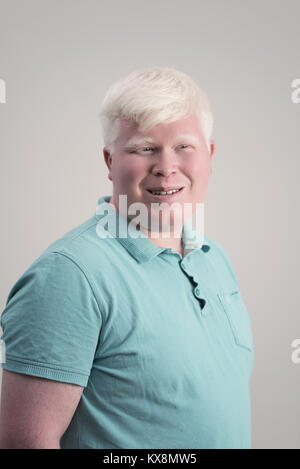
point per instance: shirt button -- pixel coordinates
(197, 292)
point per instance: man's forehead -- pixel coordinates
(142, 139)
(187, 127)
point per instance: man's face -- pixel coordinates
(171, 155)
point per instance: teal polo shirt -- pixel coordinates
(161, 343)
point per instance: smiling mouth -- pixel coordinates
(165, 193)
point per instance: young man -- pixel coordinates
(132, 341)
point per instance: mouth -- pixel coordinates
(165, 195)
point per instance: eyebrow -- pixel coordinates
(190, 137)
(139, 141)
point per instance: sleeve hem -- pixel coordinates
(45, 372)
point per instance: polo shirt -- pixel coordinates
(162, 344)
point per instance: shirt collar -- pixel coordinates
(142, 248)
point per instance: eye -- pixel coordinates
(147, 148)
(184, 145)
(143, 149)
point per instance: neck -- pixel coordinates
(171, 242)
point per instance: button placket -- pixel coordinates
(196, 291)
(205, 308)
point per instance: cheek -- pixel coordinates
(199, 173)
(128, 171)
(199, 168)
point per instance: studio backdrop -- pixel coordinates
(57, 60)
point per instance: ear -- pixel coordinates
(107, 158)
(212, 151)
(212, 148)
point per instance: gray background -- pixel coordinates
(58, 59)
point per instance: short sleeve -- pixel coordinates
(51, 322)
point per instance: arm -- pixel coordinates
(35, 412)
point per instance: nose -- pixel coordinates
(165, 164)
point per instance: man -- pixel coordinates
(132, 341)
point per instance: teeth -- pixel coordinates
(164, 193)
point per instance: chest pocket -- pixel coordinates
(238, 317)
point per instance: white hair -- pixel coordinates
(151, 96)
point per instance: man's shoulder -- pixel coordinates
(215, 246)
(219, 256)
(83, 246)
(77, 256)
(81, 232)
